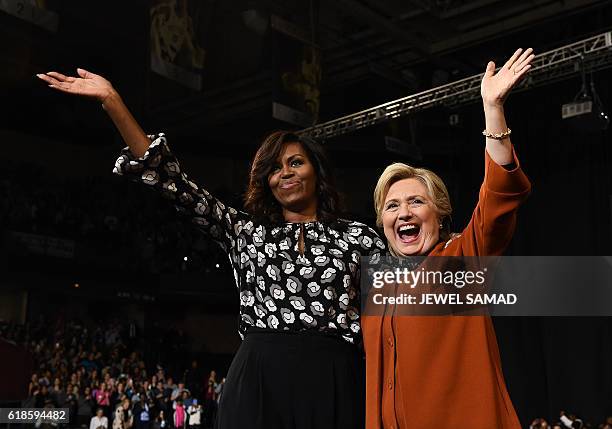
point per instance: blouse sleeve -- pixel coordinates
(494, 219)
(160, 169)
(373, 248)
(370, 246)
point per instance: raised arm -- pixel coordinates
(505, 186)
(93, 86)
(149, 160)
(494, 90)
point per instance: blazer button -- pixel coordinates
(390, 342)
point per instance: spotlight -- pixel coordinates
(586, 113)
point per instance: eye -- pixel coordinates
(297, 163)
(417, 201)
(391, 205)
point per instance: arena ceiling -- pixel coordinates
(384, 50)
(371, 51)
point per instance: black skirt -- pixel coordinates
(302, 380)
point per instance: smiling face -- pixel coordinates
(410, 219)
(292, 180)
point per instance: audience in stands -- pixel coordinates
(110, 216)
(107, 384)
(568, 421)
(99, 421)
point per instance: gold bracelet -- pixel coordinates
(498, 136)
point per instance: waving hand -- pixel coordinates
(495, 87)
(94, 86)
(87, 84)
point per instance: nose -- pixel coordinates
(404, 212)
(286, 171)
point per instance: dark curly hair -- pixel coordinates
(259, 199)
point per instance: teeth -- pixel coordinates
(406, 227)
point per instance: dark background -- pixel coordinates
(372, 52)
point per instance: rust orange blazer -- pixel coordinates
(426, 372)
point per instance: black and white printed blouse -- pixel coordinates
(280, 288)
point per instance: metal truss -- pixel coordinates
(595, 53)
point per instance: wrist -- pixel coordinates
(112, 98)
(493, 108)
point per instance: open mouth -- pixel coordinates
(408, 233)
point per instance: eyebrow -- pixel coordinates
(278, 161)
(289, 158)
(411, 197)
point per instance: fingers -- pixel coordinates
(513, 58)
(61, 77)
(526, 61)
(48, 78)
(490, 71)
(52, 79)
(85, 74)
(522, 72)
(519, 60)
(522, 64)
(55, 78)
(523, 60)
(524, 56)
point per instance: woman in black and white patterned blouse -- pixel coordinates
(296, 266)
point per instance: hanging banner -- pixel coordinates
(34, 11)
(175, 50)
(45, 245)
(296, 97)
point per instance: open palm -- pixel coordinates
(495, 87)
(87, 84)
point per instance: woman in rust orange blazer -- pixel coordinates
(426, 372)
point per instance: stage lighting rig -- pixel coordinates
(586, 112)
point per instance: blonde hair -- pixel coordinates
(436, 191)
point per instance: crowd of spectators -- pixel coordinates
(104, 379)
(568, 421)
(110, 381)
(108, 214)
